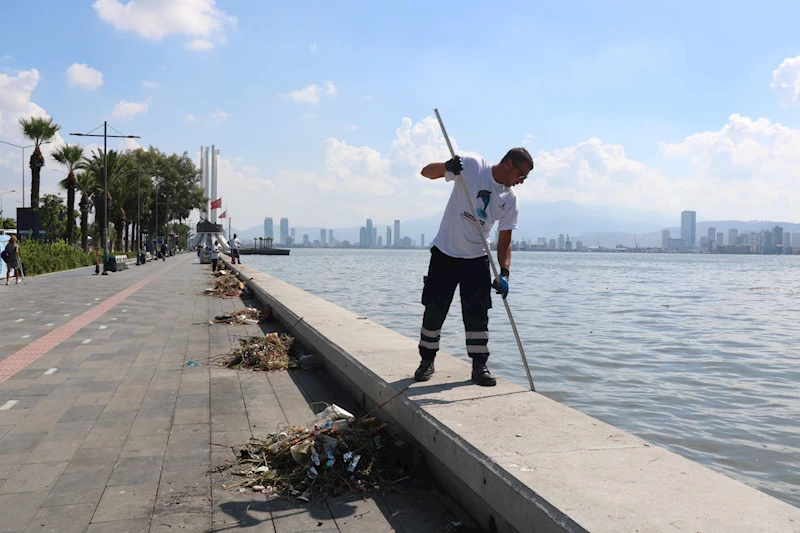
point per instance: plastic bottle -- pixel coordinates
(331, 414)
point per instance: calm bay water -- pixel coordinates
(696, 353)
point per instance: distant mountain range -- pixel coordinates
(594, 225)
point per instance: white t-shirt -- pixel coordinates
(215, 252)
(493, 201)
(235, 243)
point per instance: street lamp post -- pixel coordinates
(105, 137)
(1, 200)
(23, 163)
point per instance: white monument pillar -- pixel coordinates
(214, 196)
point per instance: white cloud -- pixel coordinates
(367, 97)
(199, 45)
(219, 115)
(84, 76)
(351, 127)
(528, 140)
(190, 119)
(128, 110)
(156, 19)
(313, 48)
(16, 92)
(7, 57)
(330, 88)
(129, 144)
(786, 81)
(250, 169)
(312, 93)
(149, 84)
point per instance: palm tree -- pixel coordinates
(86, 186)
(69, 156)
(38, 130)
(122, 192)
(94, 166)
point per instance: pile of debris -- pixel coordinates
(333, 454)
(271, 352)
(248, 315)
(226, 286)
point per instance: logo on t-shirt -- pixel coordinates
(485, 196)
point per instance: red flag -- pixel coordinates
(224, 214)
(216, 204)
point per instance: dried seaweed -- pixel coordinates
(270, 352)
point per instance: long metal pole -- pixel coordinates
(155, 244)
(105, 198)
(488, 251)
(138, 212)
(23, 177)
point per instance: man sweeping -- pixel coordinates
(458, 257)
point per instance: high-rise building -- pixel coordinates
(362, 237)
(374, 239)
(330, 238)
(720, 237)
(777, 236)
(561, 241)
(388, 237)
(712, 234)
(268, 228)
(665, 237)
(732, 235)
(369, 228)
(579, 246)
(305, 239)
(552, 244)
(688, 228)
(397, 234)
(568, 244)
(422, 241)
(787, 239)
(380, 242)
(284, 230)
(323, 237)
(768, 240)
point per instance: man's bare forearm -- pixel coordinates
(504, 250)
(434, 171)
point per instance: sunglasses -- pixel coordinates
(522, 175)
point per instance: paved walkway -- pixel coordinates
(103, 428)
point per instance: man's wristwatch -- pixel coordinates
(504, 272)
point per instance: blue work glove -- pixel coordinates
(501, 283)
(454, 165)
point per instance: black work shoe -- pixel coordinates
(482, 376)
(425, 371)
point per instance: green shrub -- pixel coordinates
(41, 258)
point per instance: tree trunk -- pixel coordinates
(71, 214)
(84, 205)
(37, 162)
(127, 236)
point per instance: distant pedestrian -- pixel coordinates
(164, 251)
(214, 256)
(11, 257)
(235, 245)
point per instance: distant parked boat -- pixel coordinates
(263, 251)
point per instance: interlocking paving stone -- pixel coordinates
(130, 433)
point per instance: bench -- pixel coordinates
(120, 262)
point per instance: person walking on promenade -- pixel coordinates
(235, 245)
(214, 256)
(458, 257)
(12, 258)
(164, 251)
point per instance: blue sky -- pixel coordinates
(322, 112)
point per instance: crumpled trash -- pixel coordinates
(301, 452)
(192, 363)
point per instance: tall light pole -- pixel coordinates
(23, 163)
(105, 137)
(1, 200)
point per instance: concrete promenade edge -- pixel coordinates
(108, 430)
(518, 460)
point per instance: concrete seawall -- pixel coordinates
(518, 461)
